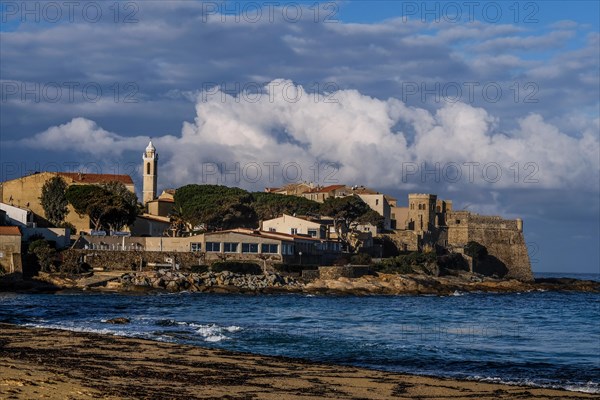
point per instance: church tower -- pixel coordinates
(150, 158)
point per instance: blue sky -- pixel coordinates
(399, 96)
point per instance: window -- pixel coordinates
(376, 202)
(457, 221)
(272, 230)
(249, 247)
(195, 247)
(269, 248)
(287, 249)
(214, 247)
(294, 231)
(230, 247)
(312, 232)
(148, 169)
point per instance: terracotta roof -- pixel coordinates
(155, 218)
(10, 231)
(97, 178)
(325, 189)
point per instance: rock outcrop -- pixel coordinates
(225, 281)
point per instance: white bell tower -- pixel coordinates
(150, 165)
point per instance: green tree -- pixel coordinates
(44, 254)
(273, 205)
(215, 207)
(122, 207)
(88, 200)
(371, 217)
(347, 212)
(179, 224)
(110, 206)
(54, 200)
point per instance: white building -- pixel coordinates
(17, 216)
(298, 226)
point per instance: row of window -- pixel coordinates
(294, 231)
(311, 232)
(423, 207)
(232, 247)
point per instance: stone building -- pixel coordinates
(322, 193)
(25, 192)
(298, 226)
(150, 225)
(379, 203)
(430, 222)
(292, 189)
(163, 205)
(10, 249)
(502, 238)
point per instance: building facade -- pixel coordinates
(10, 249)
(298, 226)
(25, 193)
(232, 245)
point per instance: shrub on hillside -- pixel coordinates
(405, 264)
(360, 259)
(44, 254)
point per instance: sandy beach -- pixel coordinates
(54, 364)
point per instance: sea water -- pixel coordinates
(549, 339)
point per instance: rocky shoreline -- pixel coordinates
(229, 282)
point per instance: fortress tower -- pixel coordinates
(150, 165)
(421, 212)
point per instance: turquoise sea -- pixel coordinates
(536, 338)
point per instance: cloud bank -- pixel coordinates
(378, 142)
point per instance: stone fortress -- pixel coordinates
(431, 221)
(428, 222)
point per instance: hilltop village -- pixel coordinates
(300, 228)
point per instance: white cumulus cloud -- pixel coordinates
(372, 141)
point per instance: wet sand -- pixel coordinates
(55, 364)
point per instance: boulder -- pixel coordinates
(118, 321)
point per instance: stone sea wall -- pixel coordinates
(508, 246)
(503, 239)
(128, 260)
